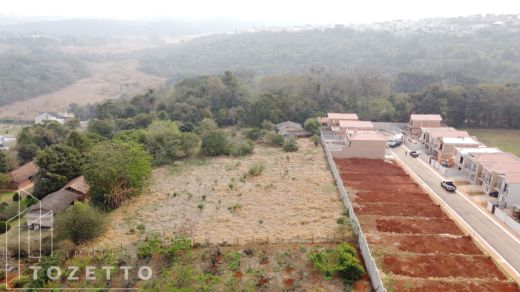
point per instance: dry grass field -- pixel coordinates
(216, 201)
(107, 80)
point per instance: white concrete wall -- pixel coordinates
(361, 149)
(508, 220)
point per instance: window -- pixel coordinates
(505, 188)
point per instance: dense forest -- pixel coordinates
(231, 100)
(490, 54)
(23, 76)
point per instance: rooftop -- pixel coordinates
(513, 177)
(496, 157)
(437, 129)
(342, 116)
(482, 149)
(449, 134)
(24, 172)
(366, 136)
(356, 124)
(415, 117)
(506, 167)
(460, 141)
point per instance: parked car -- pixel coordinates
(448, 186)
(414, 154)
(393, 144)
(494, 194)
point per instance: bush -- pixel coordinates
(16, 197)
(79, 223)
(312, 125)
(215, 143)
(19, 283)
(254, 134)
(2, 286)
(290, 145)
(274, 139)
(268, 125)
(316, 139)
(256, 169)
(242, 147)
(341, 261)
(29, 201)
(4, 227)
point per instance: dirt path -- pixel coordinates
(293, 199)
(108, 80)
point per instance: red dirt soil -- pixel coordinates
(370, 197)
(425, 244)
(402, 210)
(418, 226)
(413, 236)
(441, 286)
(442, 266)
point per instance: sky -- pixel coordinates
(267, 11)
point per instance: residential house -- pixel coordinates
(40, 215)
(22, 176)
(491, 171)
(461, 154)
(509, 189)
(426, 132)
(324, 121)
(292, 129)
(335, 118)
(362, 144)
(433, 141)
(422, 121)
(50, 116)
(446, 147)
(345, 126)
(474, 163)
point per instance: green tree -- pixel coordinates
(4, 163)
(164, 141)
(115, 171)
(312, 125)
(104, 128)
(342, 261)
(57, 165)
(79, 223)
(215, 143)
(290, 145)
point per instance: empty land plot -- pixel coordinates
(216, 200)
(412, 239)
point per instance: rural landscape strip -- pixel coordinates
(416, 245)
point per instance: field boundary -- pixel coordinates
(370, 263)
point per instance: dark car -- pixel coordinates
(448, 186)
(414, 154)
(494, 194)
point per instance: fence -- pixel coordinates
(370, 263)
(507, 219)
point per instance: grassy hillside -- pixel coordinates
(25, 76)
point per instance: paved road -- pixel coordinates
(503, 243)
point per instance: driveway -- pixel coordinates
(497, 237)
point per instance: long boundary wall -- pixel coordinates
(370, 263)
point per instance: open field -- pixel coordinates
(107, 80)
(506, 139)
(416, 245)
(215, 200)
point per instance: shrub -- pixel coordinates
(16, 197)
(79, 223)
(312, 125)
(178, 243)
(242, 147)
(316, 139)
(341, 261)
(268, 125)
(274, 139)
(215, 143)
(290, 145)
(256, 169)
(149, 247)
(254, 134)
(4, 227)
(29, 201)
(19, 283)
(3, 287)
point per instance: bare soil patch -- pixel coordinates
(372, 196)
(418, 226)
(397, 209)
(415, 285)
(443, 266)
(424, 244)
(294, 199)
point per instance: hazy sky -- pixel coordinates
(273, 11)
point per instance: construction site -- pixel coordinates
(415, 244)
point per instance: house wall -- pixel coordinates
(508, 220)
(33, 218)
(415, 126)
(513, 195)
(362, 149)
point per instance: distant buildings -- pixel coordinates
(292, 129)
(50, 116)
(422, 121)
(22, 176)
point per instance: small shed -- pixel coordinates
(40, 215)
(292, 129)
(22, 176)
